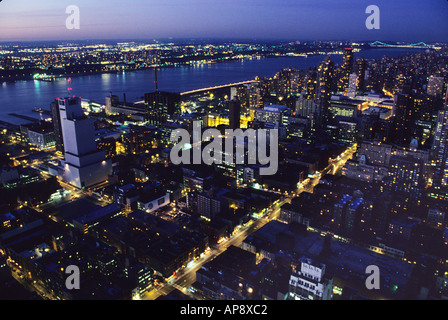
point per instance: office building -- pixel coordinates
(40, 135)
(85, 221)
(234, 114)
(245, 175)
(57, 129)
(305, 107)
(273, 114)
(309, 282)
(408, 110)
(112, 101)
(347, 107)
(142, 278)
(161, 106)
(209, 205)
(347, 130)
(84, 166)
(375, 153)
(114, 107)
(153, 200)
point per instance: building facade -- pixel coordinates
(84, 165)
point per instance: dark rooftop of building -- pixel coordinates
(72, 209)
(97, 213)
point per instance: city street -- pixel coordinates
(183, 281)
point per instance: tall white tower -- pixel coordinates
(84, 165)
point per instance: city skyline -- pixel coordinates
(285, 20)
(308, 163)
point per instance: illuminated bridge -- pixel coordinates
(420, 45)
(215, 88)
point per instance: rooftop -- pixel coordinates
(345, 258)
(97, 214)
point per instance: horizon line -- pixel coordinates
(219, 39)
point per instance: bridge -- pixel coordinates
(420, 45)
(216, 87)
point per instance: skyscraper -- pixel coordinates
(404, 117)
(161, 106)
(435, 86)
(361, 68)
(325, 73)
(234, 114)
(241, 93)
(347, 67)
(255, 94)
(282, 82)
(56, 120)
(353, 84)
(84, 165)
(440, 160)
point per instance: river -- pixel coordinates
(22, 97)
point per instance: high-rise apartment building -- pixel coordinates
(324, 81)
(242, 94)
(361, 71)
(353, 84)
(347, 67)
(404, 118)
(440, 160)
(436, 86)
(255, 94)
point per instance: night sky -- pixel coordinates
(401, 20)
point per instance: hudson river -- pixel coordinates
(22, 97)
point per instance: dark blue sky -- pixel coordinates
(401, 20)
